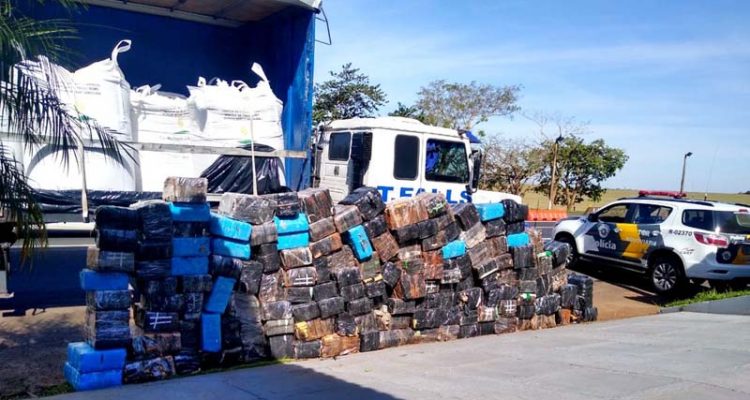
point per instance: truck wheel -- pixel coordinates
(573, 257)
(665, 274)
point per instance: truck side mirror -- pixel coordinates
(477, 157)
(592, 217)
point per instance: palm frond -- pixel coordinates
(18, 204)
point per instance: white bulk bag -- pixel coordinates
(102, 93)
(46, 171)
(266, 110)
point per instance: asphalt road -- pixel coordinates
(667, 356)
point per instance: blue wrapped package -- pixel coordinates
(518, 239)
(92, 380)
(85, 358)
(230, 228)
(357, 238)
(454, 249)
(190, 212)
(293, 240)
(211, 332)
(292, 225)
(230, 248)
(490, 211)
(191, 246)
(220, 295)
(92, 280)
(189, 266)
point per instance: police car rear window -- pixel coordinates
(714, 221)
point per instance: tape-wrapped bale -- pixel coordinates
(253, 209)
(368, 201)
(316, 203)
(185, 190)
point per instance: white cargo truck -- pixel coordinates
(402, 157)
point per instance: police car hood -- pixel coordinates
(486, 196)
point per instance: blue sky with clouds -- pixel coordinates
(657, 78)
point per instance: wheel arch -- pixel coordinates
(664, 252)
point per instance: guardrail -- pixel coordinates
(541, 215)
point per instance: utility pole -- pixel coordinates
(684, 162)
(553, 178)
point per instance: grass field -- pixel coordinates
(536, 200)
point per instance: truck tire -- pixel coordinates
(573, 257)
(666, 275)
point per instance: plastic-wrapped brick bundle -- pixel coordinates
(526, 311)
(479, 253)
(494, 228)
(523, 257)
(504, 261)
(313, 329)
(107, 329)
(547, 305)
(528, 274)
(403, 212)
(452, 232)
(282, 346)
(466, 215)
(515, 227)
(507, 308)
(448, 332)
(346, 325)
(391, 274)
(428, 319)
(400, 307)
(544, 263)
(310, 349)
(427, 228)
(369, 341)
(114, 217)
(270, 288)
(278, 327)
(149, 370)
(185, 190)
(462, 263)
(276, 310)
(187, 363)
(434, 203)
(153, 269)
(253, 209)
(410, 286)
(299, 294)
(406, 234)
(293, 258)
(375, 227)
(485, 269)
(109, 261)
(173, 303)
(370, 269)
(506, 325)
(156, 321)
(473, 236)
(196, 283)
(467, 331)
(325, 290)
(528, 324)
(359, 306)
(331, 307)
(346, 276)
(155, 219)
(560, 252)
(108, 300)
(250, 276)
(153, 250)
(514, 212)
(585, 287)
(326, 246)
(117, 240)
(335, 345)
(385, 245)
(151, 345)
(305, 311)
(346, 217)
(303, 276)
(435, 242)
(590, 314)
(268, 255)
(264, 233)
(368, 201)
(324, 271)
(352, 292)
(316, 203)
(568, 295)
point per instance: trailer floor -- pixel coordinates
(668, 356)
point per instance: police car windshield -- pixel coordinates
(714, 221)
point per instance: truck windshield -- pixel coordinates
(446, 161)
(715, 221)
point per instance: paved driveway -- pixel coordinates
(671, 356)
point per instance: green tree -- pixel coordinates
(402, 110)
(511, 165)
(581, 169)
(31, 112)
(349, 94)
(461, 106)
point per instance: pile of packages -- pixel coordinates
(291, 275)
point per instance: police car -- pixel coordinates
(670, 238)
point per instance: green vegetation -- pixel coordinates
(709, 295)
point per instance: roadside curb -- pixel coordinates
(739, 305)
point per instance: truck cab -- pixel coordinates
(402, 157)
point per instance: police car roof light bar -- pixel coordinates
(665, 193)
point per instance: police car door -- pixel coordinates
(334, 163)
(602, 239)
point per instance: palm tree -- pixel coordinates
(32, 113)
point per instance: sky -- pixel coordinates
(655, 78)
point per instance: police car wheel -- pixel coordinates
(666, 275)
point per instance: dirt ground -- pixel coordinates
(33, 346)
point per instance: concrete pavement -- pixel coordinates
(668, 356)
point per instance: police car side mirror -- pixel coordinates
(592, 217)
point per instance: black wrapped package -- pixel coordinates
(486, 268)
(366, 322)
(346, 325)
(396, 306)
(305, 311)
(250, 276)
(427, 228)
(304, 350)
(193, 302)
(395, 338)
(106, 300)
(547, 305)
(298, 277)
(264, 233)
(343, 258)
(411, 286)
(515, 227)
(434, 242)
(359, 306)
(153, 250)
(467, 331)
(375, 227)
(100, 321)
(479, 254)
(543, 286)
(452, 232)
(369, 341)
(297, 257)
(432, 286)
(428, 319)
(248, 313)
(504, 261)
(185, 190)
(149, 370)
(109, 261)
(326, 246)
(585, 287)
(506, 325)
(465, 284)
(435, 203)
(471, 298)
(445, 220)
(196, 283)
(155, 219)
(406, 234)
(391, 274)
(491, 281)
(568, 295)
(279, 327)
(507, 308)
(153, 269)
(469, 317)
(172, 303)
(150, 345)
(322, 229)
(331, 306)
(353, 292)
(110, 338)
(165, 286)
(187, 363)
(462, 263)
(494, 228)
(156, 321)
(527, 274)
(324, 272)
(453, 316)
(287, 204)
(466, 215)
(523, 256)
(325, 291)
(225, 266)
(375, 289)
(299, 295)
(117, 240)
(560, 252)
(316, 203)
(401, 321)
(431, 300)
(230, 332)
(526, 311)
(527, 286)
(253, 209)
(486, 328)
(114, 217)
(190, 229)
(347, 276)
(282, 346)
(270, 288)
(451, 275)
(276, 310)
(268, 256)
(368, 200)
(346, 217)
(590, 314)
(370, 270)
(514, 212)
